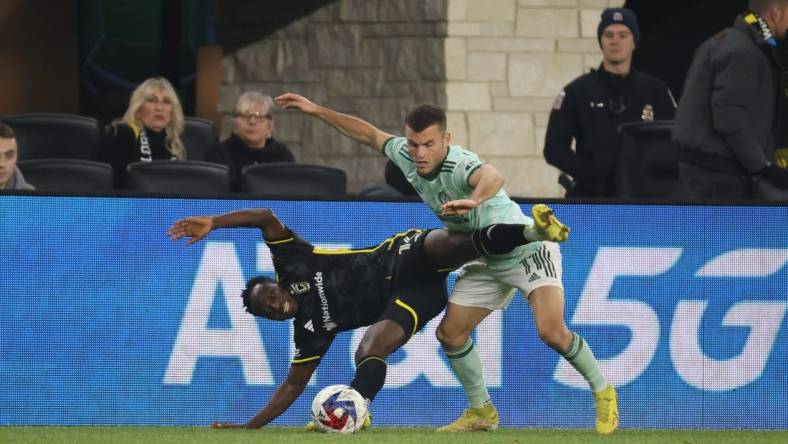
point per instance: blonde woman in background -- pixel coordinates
(151, 128)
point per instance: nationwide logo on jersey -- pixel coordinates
(328, 323)
(299, 287)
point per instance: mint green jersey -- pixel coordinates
(450, 182)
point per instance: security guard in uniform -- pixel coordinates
(591, 108)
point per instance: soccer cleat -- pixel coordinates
(606, 410)
(312, 427)
(475, 419)
(547, 226)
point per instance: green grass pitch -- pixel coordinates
(378, 435)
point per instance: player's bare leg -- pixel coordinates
(547, 304)
(454, 334)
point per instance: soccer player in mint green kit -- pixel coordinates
(467, 194)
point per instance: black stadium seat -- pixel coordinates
(648, 164)
(198, 137)
(51, 135)
(68, 175)
(293, 179)
(178, 177)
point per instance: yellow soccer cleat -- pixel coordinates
(547, 226)
(606, 410)
(475, 419)
(367, 422)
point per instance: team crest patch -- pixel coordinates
(559, 100)
(618, 17)
(299, 287)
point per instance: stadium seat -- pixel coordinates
(293, 179)
(69, 175)
(51, 135)
(178, 177)
(648, 163)
(198, 137)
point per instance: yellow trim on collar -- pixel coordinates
(135, 129)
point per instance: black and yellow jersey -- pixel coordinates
(343, 289)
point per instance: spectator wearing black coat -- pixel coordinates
(251, 141)
(728, 126)
(151, 129)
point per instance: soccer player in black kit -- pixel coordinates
(395, 288)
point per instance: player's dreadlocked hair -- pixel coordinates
(249, 286)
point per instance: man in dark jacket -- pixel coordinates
(591, 108)
(728, 124)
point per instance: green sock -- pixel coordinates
(581, 357)
(467, 365)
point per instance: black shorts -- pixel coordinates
(418, 287)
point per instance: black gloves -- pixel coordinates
(776, 176)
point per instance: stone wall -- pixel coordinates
(496, 65)
(371, 58)
(506, 60)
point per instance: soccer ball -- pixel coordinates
(339, 409)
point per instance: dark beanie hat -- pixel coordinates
(624, 16)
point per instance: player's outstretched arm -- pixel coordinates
(282, 399)
(196, 228)
(357, 129)
(486, 182)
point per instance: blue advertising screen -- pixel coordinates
(105, 320)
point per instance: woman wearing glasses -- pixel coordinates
(251, 141)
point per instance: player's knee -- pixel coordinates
(380, 346)
(450, 339)
(380, 350)
(557, 337)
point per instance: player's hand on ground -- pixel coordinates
(227, 425)
(195, 228)
(296, 101)
(458, 207)
(547, 224)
